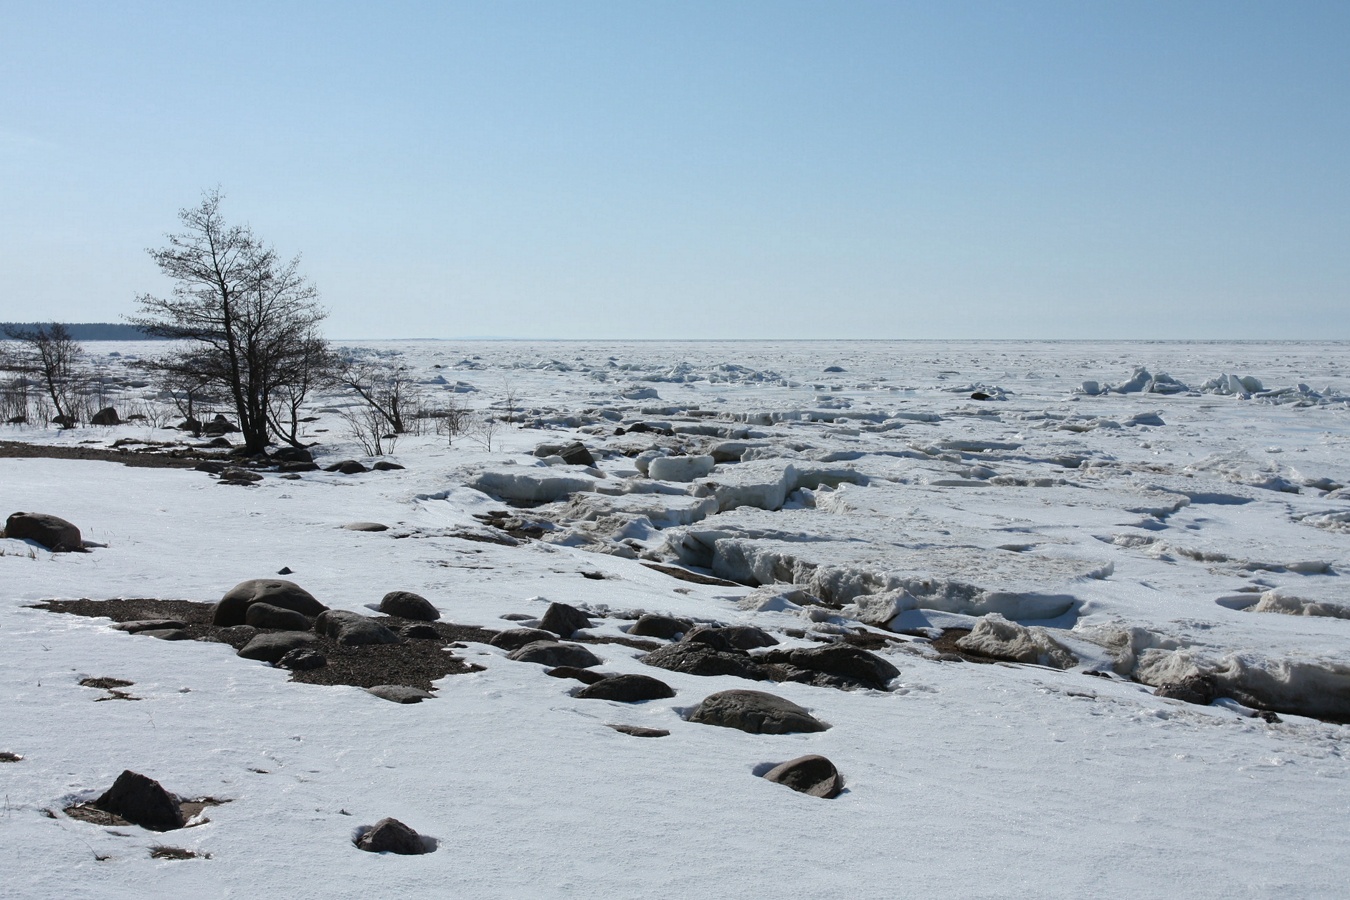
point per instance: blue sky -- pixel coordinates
(648, 169)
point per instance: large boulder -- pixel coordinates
(576, 454)
(352, 629)
(142, 801)
(812, 774)
(853, 664)
(626, 689)
(233, 607)
(407, 605)
(731, 637)
(105, 416)
(702, 659)
(391, 836)
(56, 534)
(659, 626)
(755, 712)
(274, 645)
(515, 638)
(265, 615)
(563, 620)
(553, 653)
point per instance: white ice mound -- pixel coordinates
(766, 483)
(530, 485)
(995, 636)
(1142, 381)
(1307, 687)
(887, 608)
(679, 468)
(1232, 384)
(1279, 602)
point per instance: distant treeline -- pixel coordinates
(86, 331)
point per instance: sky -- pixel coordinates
(718, 170)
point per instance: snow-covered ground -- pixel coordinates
(1150, 524)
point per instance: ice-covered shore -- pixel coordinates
(1145, 532)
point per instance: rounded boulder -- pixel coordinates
(52, 532)
(233, 607)
(755, 712)
(407, 605)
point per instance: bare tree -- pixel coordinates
(50, 354)
(388, 390)
(311, 368)
(250, 317)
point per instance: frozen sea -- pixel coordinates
(1118, 515)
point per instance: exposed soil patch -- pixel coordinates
(415, 662)
(148, 456)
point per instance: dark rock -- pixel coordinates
(814, 775)
(302, 659)
(234, 473)
(56, 534)
(291, 468)
(1199, 689)
(407, 605)
(167, 634)
(222, 443)
(265, 615)
(516, 617)
(139, 625)
(192, 425)
(583, 675)
(105, 416)
(553, 654)
(210, 467)
(219, 425)
(352, 629)
(731, 637)
(657, 626)
(285, 570)
(639, 731)
(142, 801)
(272, 646)
(392, 836)
(420, 631)
(564, 620)
(576, 454)
(292, 455)
(365, 526)
(842, 660)
(755, 712)
(515, 638)
(833, 369)
(702, 659)
(286, 594)
(626, 689)
(385, 465)
(237, 635)
(399, 693)
(346, 467)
